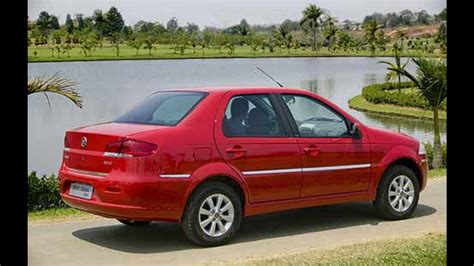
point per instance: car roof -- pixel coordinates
(223, 89)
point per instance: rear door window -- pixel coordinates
(252, 115)
(163, 108)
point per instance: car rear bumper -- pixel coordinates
(125, 198)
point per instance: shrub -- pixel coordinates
(429, 155)
(43, 192)
(387, 93)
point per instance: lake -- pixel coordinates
(109, 88)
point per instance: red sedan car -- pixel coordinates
(207, 157)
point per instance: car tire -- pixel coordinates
(134, 223)
(208, 226)
(395, 202)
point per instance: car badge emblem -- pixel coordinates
(83, 142)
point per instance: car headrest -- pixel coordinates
(258, 117)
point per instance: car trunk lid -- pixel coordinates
(85, 147)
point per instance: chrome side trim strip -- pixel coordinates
(338, 167)
(276, 171)
(307, 169)
(85, 172)
(175, 175)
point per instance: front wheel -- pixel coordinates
(134, 223)
(398, 193)
(213, 215)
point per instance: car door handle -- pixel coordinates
(312, 150)
(236, 150)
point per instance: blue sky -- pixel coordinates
(224, 13)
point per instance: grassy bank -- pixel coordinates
(359, 103)
(429, 249)
(43, 54)
(435, 173)
(57, 214)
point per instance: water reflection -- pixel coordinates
(323, 87)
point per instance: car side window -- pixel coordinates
(252, 115)
(315, 119)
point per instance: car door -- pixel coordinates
(258, 146)
(333, 161)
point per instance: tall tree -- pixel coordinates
(192, 28)
(54, 23)
(431, 80)
(44, 22)
(244, 28)
(312, 19)
(423, 18)
(407, 17)
(114, 22)
(330, 31)
(99, 21)
(442, 15)
(79, 21)
(370, 29)
(172, 25)
(69, 24)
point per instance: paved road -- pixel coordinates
(106, 242)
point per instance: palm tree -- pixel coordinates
(55, 84)
(370, 29)
(330, 31)
(431, 80)
(401, 36)
(391, 75)
(312, 18)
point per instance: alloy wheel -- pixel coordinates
(401, 193)
(216, 215)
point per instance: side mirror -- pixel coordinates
(355, 131)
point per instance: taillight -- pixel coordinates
(130, 148)
(113, 147)
(66, 142)
(137, 148)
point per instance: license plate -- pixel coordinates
(81, 190)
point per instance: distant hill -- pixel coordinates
(414, 31)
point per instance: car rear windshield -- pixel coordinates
(163, 108)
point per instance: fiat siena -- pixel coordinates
(207, 157)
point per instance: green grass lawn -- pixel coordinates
(43, 54)
(440, 172)
(429, 249)
(359, 103)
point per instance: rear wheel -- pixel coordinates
(213, 215)
(398, 193)
(134, 223)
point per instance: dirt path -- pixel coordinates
(107, 242)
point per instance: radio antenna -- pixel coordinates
(265, 73)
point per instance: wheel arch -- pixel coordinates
(221, 172)
(408, 162)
